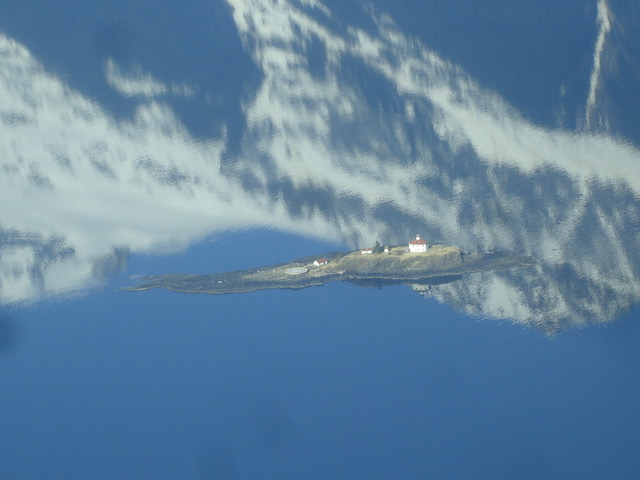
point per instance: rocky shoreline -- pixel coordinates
(439, 264)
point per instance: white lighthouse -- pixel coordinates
(418, 245)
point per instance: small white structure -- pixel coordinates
(418, 245)
(366, 251)
(320, 261)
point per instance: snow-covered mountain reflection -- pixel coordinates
(353, 135)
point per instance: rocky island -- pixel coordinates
(379, 266)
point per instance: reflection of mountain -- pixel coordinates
(478, 173)
(353, 134)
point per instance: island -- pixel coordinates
(416, 265)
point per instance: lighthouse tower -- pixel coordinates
(418, 245)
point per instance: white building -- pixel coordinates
(320, 261)
(418, 245)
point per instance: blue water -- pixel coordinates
(526, 51)
(337, 381)
(331, 382)
(196, 44)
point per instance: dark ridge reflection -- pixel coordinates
(349, 132)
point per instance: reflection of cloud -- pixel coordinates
(379, 138)
(546, 193)
(70, 171)
(604, 24)
(140, 84)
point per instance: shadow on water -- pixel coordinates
(273, 426)
(11, 333)
(620, 339)
(216, 461)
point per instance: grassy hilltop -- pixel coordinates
(397, 266)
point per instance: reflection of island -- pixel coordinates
(378, 266)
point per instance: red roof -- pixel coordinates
(322, 260)
(418, 242)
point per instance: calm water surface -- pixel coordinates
(151, 138)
